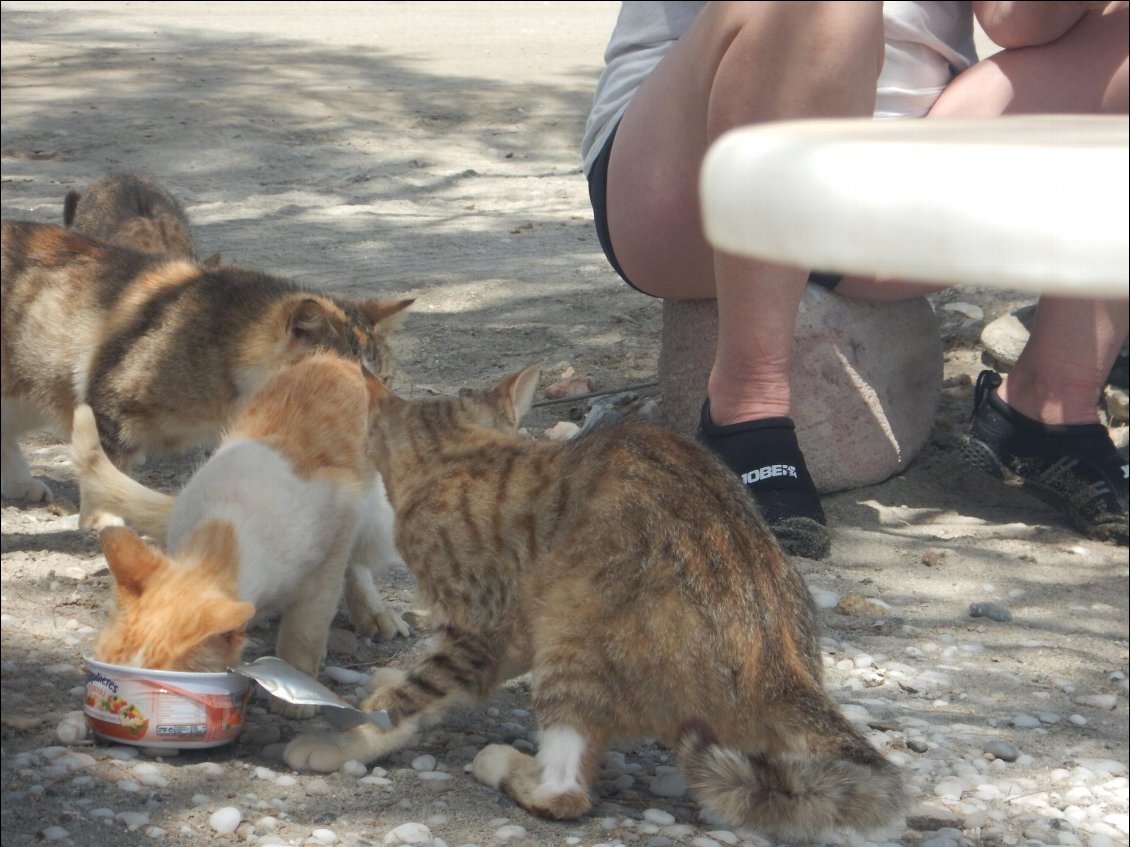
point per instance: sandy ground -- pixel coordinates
(430, 150)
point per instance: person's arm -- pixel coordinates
(1012, 23)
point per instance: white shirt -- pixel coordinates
(927, 45)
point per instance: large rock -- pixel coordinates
(866, 381)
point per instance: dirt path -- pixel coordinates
(430, 150)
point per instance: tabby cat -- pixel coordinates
(287, 510)
(164, 351)
(631, 575)
(131, 211)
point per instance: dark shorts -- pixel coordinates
(598, 196)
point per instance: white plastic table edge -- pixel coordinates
(1033, 203)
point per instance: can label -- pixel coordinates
(137, 711)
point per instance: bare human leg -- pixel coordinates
(739, 63)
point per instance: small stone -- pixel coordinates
(668, 782)
(991, 611)
(54, 833)
(409, 833)
(857, 606)
(561, 431)
(658, 817)
(1106, 702)
(1002, 750)
(226, 820)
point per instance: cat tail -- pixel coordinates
(106, 493)
(70, 205)
(794, 795)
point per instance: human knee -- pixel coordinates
(824, 44)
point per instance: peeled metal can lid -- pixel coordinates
(292, 685)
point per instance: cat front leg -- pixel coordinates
(16, 481)
(553, 785)
(374, 553)
(304, 626)
(367, 610)
(461, 670)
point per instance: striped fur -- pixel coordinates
(164, 351)
(629, 572)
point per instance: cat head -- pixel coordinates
(358, 330)
(163, 234)
(182, 616)
(501, 406)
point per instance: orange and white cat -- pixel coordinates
(286, 512)
(628, 572)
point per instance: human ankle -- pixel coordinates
(1065, 404)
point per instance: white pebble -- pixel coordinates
(102, 813)
(225, 820)
(511, 830)
(324, 836)
(434, 776)
(71, 728)
(54, 833)
(353, 768)
(129, 785)
(132, 820)
(658, 817)
(1098, 701)
(1078, 720)
(1025, 722)
(724, 836)
(424, 763)
(408, 833)
(824, 599)
(345, 676)
(703, 841)
(285, 780)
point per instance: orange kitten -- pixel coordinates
(286, 510)
(631, 575)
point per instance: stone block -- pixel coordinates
(865, 384)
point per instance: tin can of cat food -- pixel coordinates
(152, 708)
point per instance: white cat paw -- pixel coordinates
(29, 489)
(99, 521)
(493, 763)
(320, 752)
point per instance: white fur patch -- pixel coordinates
(559, 754)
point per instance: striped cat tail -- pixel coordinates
(792, 795)
(108, 496)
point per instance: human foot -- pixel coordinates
(765, 454)
(1074, 468)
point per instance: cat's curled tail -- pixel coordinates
(107, 495)
(793, 795)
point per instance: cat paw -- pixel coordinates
(380, 621)
(98, 521)
(29, 489)
(294, 711)
(493, 763)
(319, 752)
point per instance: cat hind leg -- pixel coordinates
(553, 785)
(16, 481)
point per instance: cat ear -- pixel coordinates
(132, 562)
(378, 391)
(517, 392)
(212, 262)
(378, 311)
(308, 320)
